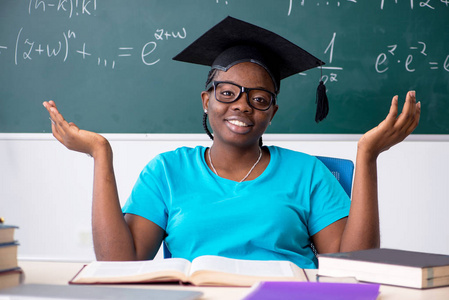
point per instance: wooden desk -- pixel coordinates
(40, 272)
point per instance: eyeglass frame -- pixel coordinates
(242, 89)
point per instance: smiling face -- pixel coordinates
(237, 122)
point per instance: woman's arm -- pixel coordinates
(361, 229)
(114, 238)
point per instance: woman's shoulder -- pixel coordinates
(288, 158)
(183, 152)
(180, 154)
(175, 159)
(287, 154)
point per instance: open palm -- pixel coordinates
(70, 135)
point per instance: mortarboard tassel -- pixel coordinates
(322, 103)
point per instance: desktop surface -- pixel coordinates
(60, 273)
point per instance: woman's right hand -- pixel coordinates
(71, 136)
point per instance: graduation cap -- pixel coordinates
(233, 41)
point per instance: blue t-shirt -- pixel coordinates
(269, 218)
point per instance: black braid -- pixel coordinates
(205, 126)
(210, 78)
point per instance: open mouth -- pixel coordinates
(238, 123)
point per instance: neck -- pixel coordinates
(236, 164)
(223, 155)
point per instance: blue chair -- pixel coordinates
(167, 253)
(342, 169)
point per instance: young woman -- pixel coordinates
(237, 198)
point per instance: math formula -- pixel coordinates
(73, 43)
(70, 44)
(389, 58)
(68, 7)
(427, 4)
(109, 62)
(384, 4)
(333, 75)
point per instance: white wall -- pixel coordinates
(46, 189)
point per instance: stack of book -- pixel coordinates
(388, 266)
(10, 272)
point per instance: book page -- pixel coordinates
(242, 267)
(102, 269)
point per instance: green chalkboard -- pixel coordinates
(108, 65)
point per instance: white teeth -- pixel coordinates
(237, 123)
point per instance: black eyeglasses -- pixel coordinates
(228, 92)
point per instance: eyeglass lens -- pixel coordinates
(229, 92)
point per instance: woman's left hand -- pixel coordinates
(394, 129)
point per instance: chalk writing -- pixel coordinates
(146, 51)
(125, 51)
(427, 4)
(162, 34)
(430, 4)
(226, 2)
(69, 43)
(69, 7)
(83, 51)
(332, 77)
(384, 60)
(28, 49)
(319, 3)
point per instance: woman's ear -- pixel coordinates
(205, 96)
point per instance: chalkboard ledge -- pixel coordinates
(204, 138)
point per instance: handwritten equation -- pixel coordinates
(318, 3)
(27, 49)
(386, 59)
(68, 7)
(332, 77)
(71, 44)
(427, 4)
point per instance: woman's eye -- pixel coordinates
(260, 100)
(227, 93)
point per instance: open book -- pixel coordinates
(204, 270)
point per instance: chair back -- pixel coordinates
(342, 169)
(167, 253)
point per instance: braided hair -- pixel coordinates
(210, 78)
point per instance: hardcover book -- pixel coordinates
(388, 266)
(7, 233)
(11, 278)
(8, 256)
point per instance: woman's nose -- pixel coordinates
(242, 103)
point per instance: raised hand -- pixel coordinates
(394, 128)
(71, 136)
